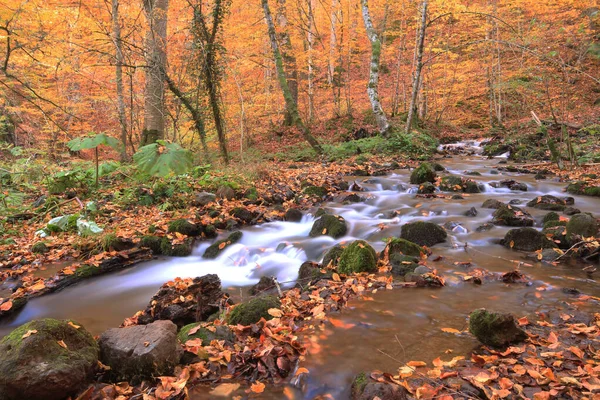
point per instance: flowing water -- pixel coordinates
(394, 326)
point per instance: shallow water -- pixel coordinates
(395, 326)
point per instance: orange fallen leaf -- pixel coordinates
(301, 370)
(62, 344)
(450, 330)
(275, 312)
(71, 324)
(29, 333)
(6, 306)
(257, 387)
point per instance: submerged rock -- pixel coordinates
(527, 239)
(331, 225)
(363, 388)
(471, 212)
(548, 202)
(216, 248)
(201, 298)
(571, 211)
(143, 351)
(253, 310)
(492, 203)
(495, 329)
(423, 173)
(34, 364)
(264, 285)
(423, 233)
(510, 184)
(512, 216)
(359, 256)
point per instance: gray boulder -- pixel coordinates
(142, 351)
(495, 329)
(527, 239)
(204, 198)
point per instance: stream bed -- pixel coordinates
(391, 327)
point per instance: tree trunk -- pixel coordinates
(310, 40)
(372, 88)
(287, 53)
(290, 104)
(119, 76)
(156, 61)
(417, 76)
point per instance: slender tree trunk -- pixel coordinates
(372, 87)
(310, 40)
(291, 105)
(119, 76)
(213, 94)
(333, 58)
(419, 67)
(287, 53)
(156, 60)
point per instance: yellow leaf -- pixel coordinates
(301, 370)
(73, 325)
(324, 231)
(335, 277)
(29, 333)
(62, 344)
(451, 330)
(275, 312)
(512, 244)
(257, 387)
(416, 364)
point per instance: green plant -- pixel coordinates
(93, 142)
(163, 159)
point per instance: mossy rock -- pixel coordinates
(358, 384)
(359, 256)
(458, 184)
(511, 216)
(333, 255)
(583, 188)
(438, 167)
(551, 224)
(316, 191)
(221, 332)
(495, 329)
(154, 243)
(39, 248)
(405, 247)
(34, 364)
(253, 310)
(423, 173)
(217, 247)
(251, 194)
(551, 216)
(527, 239)
(558, 234)
(311, 272)
(185, 227)
(581, 225)
(331, 225)
(547, 202)
(402, 265)
(423, 233)
(426, 188)
(492, 204)
(243, 214)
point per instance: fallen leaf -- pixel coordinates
(29, 333)
(62, 344)
(257, 387)
(6, 306)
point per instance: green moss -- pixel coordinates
(185, 227)
(217, 247)
(220, 333)
(333, 255)
(109, 241)
(359, 256)
(423, 233)
(423, 173)
(359, 383)
(331, 225)
(551, 224)
(551, 216)
(39, 248)
(251, 194)
(154, 243)
(583, 225)
(451, 184)
(87, 271)
(253, 310)
(317, 191)
(495, 329)
(406, 247)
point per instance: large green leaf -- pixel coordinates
(163, 159)
(91, 142)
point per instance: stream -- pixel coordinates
(392, 327)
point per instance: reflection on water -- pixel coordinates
(395, 326)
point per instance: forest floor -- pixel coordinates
(560, 358)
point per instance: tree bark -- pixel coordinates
(419, 67)
(287, 53)
(372, 87)
(290, 104)
(116, 27)
(156, 60)
(310, 40)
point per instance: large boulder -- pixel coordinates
(364, 388)
(184, 301)
(217, 247)
(581, 225)
(331, 225)
(359, 256)
(495, 329)
(527, 239)
(423, 173)
(508, 215)
(46, 359)
(251, 311)
(142, 351)
(423, 233)
(548, 202)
